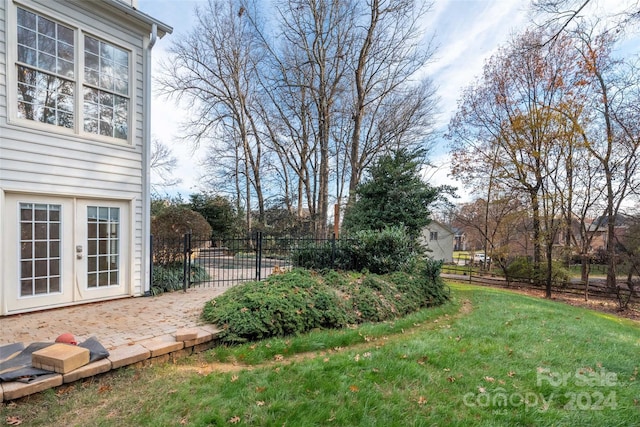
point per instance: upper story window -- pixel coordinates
(45, 70)
(106, 73)
(433, 235)
(48, 80)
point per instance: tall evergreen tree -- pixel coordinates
(393, 195)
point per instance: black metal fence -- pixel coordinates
(222, 262)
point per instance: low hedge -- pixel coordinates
(381, 252)
(301, 300)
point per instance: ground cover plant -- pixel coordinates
(301, 300)
(487, 358)
(169, 278)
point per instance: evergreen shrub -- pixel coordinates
(379, 252)
(301, 300)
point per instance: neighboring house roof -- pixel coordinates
(600, 223)
(441, 225)
(457, 231)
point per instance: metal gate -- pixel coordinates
(225, 262)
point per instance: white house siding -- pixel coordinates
(441, 247)
(3, 121)
(3, 70)
(38, 160)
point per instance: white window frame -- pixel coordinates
(33, 240)
(80, 30)
(104, 251)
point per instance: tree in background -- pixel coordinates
(394, 195)
(500, 225)
(310, 97)
(506, 130)
(214, 67)
(629, 247)
(162, 164)
(160, 203)
(168, 229)
(608, 125)
(563, 15)
(220, 213)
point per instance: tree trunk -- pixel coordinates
(584, 275)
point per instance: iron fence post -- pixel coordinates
(186, 262)
(190, 252)
(150, 264)
(333, 250)
(258, 255)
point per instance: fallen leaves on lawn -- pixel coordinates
(234, 378)
(422, 400)
(64, 390)
(13, 421)
(354, 388)
(234, 420)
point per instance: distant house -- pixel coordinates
(600, 228)
(459, 239)
(75, 91)
(438, 239)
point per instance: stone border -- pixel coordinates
(162, 349)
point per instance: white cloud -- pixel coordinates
(468, 32)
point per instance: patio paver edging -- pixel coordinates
(161, 349)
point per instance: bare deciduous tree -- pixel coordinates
(162, 164)
(314, 96)
(214, 68)
(506, 124)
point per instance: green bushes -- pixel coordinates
(283, 304)
(168, 278)
(168, 229)
(522, 269)
(379, 252)
(301, 300)
(383, 251)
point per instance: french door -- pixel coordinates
(64, 250)
(102, 248)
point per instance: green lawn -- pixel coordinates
(488, 358)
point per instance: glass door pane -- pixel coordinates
(103, 246)
(40, 249)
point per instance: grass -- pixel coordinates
(488, 358)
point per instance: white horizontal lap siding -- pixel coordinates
(33, 158)
(55, 162)
(89, 164)
(3, 68)
(110, 27)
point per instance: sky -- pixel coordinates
(466, 32)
